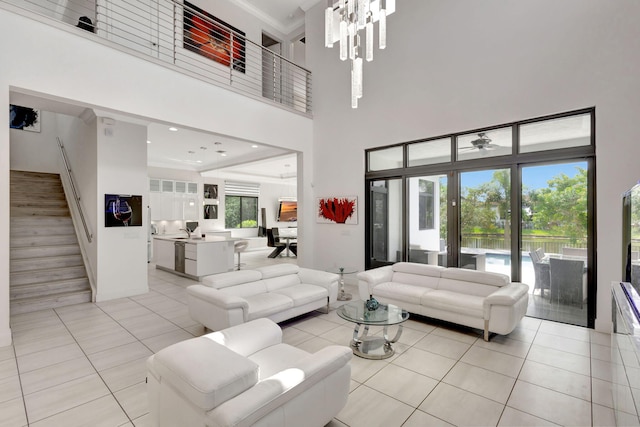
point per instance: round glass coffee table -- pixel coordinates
(373, 347)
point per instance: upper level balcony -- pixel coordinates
(187, 39)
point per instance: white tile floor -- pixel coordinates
(84, 365)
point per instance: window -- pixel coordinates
(425, 205)
(241, 212)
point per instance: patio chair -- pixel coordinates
(541, 274)
(568, 281)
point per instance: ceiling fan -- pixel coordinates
(482, 143)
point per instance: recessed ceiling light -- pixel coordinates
(198, 161)
(148, 142)
(217, 143)
(254, 146)
(191, 152)
(224, 154)
(203, 148)
(172, 129)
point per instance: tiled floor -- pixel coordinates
(84, 365)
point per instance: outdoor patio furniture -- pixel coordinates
(568, 281)
(541, 274)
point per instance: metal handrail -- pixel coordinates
(76, 197)
(205, 48)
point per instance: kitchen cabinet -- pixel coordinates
(164, 253)
(173, 200)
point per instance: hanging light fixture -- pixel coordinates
(343, 20)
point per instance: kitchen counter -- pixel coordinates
(193, 258)
(183, 238)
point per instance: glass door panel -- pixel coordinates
(428, 219)
(485, 235)
(385, 211)
(554, 241)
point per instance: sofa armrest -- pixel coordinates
(217, 298)
(327, 280)
(283, 386)
(367, 280)
(248, 338)
(506, 295)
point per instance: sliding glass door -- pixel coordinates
(555, 240)
(485, 220)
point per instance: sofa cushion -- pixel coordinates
(205, 372)
(470, 305)
(475, 276)
(303, 294)
(401, 292)
(231, 278)
(275, 358)
(277, 270)
(472, 282)
(266, 304)
(279, 282)
(246, 290)
(415, 268)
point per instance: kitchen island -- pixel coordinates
(194, 258)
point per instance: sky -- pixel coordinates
(533, 177)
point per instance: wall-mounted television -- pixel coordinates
(287, 211)
(122, 210)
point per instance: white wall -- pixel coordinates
(455, 65)
(36, 151)
(121, 169)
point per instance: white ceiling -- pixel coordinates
(284, 15)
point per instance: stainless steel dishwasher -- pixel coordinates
(179, 256)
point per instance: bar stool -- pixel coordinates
(240, 246)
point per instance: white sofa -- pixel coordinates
(246, 376)
(479, 299)
(278, 292)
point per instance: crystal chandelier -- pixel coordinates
(343, 21)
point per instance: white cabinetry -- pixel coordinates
(204, 259)
(173, 200)
(165, 253)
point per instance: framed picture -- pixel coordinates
(24, 118)
(338, 210)
(210, 211)
(210, 191)
(122, 210)
(213, 38)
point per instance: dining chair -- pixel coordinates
(274, 243)
(541, 274)
(540, 254)
(568, 284)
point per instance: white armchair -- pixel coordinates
(246, 376)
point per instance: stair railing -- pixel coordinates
(76, 197)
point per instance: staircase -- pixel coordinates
(46, 266)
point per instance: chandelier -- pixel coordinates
(343, 21)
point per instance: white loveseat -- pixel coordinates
(278, 292)
(246, 376)
(479, 299)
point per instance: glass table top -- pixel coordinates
(385, 314)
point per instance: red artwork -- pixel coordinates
(338, 210)
(213, 38)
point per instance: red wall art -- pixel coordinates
(339, 210)
(208, 36)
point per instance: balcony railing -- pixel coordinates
(187, 37)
